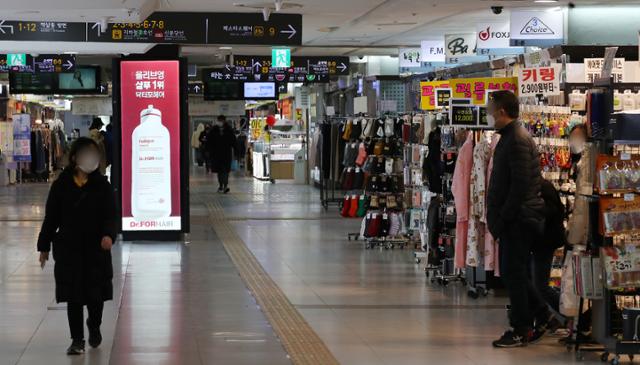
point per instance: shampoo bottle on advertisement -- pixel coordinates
(150, 167)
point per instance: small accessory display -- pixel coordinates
(388, 166)
(620, 215)
(618, 174)
(362, 154)
(346, 133)
(389, 127)
(353, 206)
(378, 148)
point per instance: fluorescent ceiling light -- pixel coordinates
(545, 1)
(226, 47)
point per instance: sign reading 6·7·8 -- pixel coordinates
(540, 80)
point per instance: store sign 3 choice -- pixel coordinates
(166, 27)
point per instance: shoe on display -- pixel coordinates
(95, 336)
(76, 348)
(510, 340)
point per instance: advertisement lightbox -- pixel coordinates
(150, 138)
(260, 90)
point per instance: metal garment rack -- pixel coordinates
(329, 194)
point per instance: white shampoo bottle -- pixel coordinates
(150, 167)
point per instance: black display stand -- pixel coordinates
(159, 53)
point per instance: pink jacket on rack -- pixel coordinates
(491, 250)
(460, 191)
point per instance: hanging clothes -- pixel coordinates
(477, 193)
(460, 190)
(491, 253)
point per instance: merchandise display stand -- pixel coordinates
(380, 161)
(614, 320)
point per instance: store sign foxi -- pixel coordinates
(493, 35)
(536, 28)
(433, 51)
(459, 46)
(409, 57)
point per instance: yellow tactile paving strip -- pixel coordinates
(300, 341)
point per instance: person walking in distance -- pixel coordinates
(80, 222)
(515, 216)
(222, 141)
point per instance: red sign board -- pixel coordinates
(150, 122)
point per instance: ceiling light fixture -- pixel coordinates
(266, 13)
(225, 47)
(545, 1)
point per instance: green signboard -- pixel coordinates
(281, 57)
(16, 59)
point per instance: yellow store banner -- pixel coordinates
(428, 93)
(476, 88)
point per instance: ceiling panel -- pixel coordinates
(330, 26)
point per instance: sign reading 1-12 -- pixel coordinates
(27, 27)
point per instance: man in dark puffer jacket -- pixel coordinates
(515, 216)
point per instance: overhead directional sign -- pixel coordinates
(259, 68)
(45, 63)
(12, 30)
(299, 65)
(167, 27)
(195, 88)
(250, 28)
(54, 63)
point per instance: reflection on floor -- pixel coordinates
(184, 303)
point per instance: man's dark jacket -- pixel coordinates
(514, 195)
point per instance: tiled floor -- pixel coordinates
(184, 303)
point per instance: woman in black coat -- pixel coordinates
(222, 142)
(80, 221)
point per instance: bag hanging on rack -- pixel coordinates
(379, 126)
(358, 180)
(388, 166)
(356, 129)
(362, 206)
(346, 205)
(406, 132)
(346, 134)
(378, 148)
(367, 128)
(389, 127)
(362, 154)
(353, 206)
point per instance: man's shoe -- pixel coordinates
(220, 189)
(509, 340)
(226, 190)
(76, 348)
(537, 335)
(95, 337)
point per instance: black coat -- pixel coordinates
(76, 219)
(221, 142)
(554, 212)
(514, 195)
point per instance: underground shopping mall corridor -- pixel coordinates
(190, 303)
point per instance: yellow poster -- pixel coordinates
(428, 93)
(475, 88)
(257, 127)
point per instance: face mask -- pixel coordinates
(577, 147)
(491, 121)
(89, 164)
